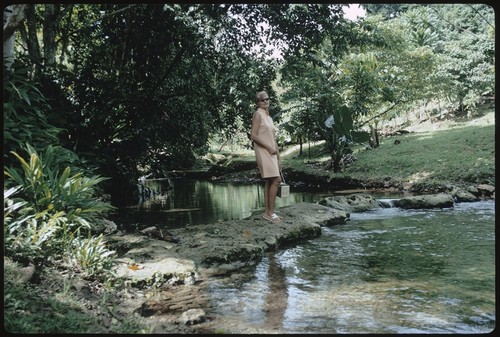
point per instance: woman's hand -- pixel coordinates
(273, 151)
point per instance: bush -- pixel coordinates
(91, 255)
(25, 114)
(46, 211)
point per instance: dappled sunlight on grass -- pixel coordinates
(452, 151)
(488, 118)
(425, 135)
(292, 151)
(420, 176)
(457, 154)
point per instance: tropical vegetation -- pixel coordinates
(98, 95)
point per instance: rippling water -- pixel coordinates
(385, 271)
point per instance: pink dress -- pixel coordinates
(267, 163)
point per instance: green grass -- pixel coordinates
(462, 154)
(54, 308)
(458, 155)
(459, 151)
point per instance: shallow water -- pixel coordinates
(385, 271)
(197, 202)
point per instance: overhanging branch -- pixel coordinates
(380, 114)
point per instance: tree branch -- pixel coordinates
(380, 114)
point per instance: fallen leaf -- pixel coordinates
(135, 266)
(246, 233)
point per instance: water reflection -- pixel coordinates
(430, 272)
(153, 191)
(277, 297)
(385, 271)
(197, 202)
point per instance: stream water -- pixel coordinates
(384, 271)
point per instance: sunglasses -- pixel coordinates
(264, 100)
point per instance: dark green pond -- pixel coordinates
(385, 271)
(198, 202)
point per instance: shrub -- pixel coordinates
(25, 114)
(91, 255)
(46, 211)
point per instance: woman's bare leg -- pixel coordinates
(270, 191)
(266, 195)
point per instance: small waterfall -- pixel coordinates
(386, 203)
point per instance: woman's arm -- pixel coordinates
(279, 157)
(255, 134)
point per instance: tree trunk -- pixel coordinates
(49, 34)
(13, 16)
(32, 39)
(374, 142)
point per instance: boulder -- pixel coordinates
(353, 203)
(440, 200)
(486, 190)
(192, 316)
(168, 270)
(464, 196)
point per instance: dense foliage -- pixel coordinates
(97, 95)
(124, 90)
(401, 59)
(143, 88)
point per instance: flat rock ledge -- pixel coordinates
(181, 256)
(440, 200)
(218, 248)
(167, 269)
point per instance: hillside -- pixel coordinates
(427, 157)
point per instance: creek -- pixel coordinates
(385, 271)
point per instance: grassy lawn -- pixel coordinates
(465, 154)
(460, 152)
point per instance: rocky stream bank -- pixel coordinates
(165, 274)
(169, 270)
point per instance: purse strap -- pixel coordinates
(282, 177)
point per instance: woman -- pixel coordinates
(267, 155)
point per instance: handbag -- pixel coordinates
(284, 188)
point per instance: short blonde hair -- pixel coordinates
(260, 95)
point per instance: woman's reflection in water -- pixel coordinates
(277, 297)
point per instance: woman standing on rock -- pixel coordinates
(267, 155)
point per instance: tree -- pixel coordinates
(13, 16)
(387, 11)
(141, 87)
(467, 52)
